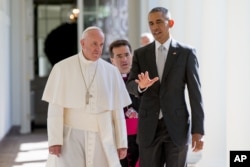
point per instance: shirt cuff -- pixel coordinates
(142, 90)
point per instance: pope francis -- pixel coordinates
(86, 96)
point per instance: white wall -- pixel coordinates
(5, 115)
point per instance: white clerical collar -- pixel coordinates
(124, 75)
(84, 60)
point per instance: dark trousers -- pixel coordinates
(132, 154)
(163, 151)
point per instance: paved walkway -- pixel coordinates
(30, 150)
(24, 150)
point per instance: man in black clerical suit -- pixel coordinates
(121, 57)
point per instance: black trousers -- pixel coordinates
(132, 154)
(163, 151)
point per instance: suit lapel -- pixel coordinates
(151, 58)
(171, 58)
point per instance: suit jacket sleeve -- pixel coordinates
(132, 86)
(194, 90)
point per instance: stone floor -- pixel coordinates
(24, 150)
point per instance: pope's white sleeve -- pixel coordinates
(55, 125)
(120, 129)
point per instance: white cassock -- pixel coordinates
(90, 134)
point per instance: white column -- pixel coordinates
(197, 24)
(134, 23)
(22, 57)
(27, 40)
(80, 22)
(5, 115)
(144, 9)
(238, 75)
(16, 59)
(213, 58)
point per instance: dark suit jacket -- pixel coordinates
(181, 70)
(135, 100)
